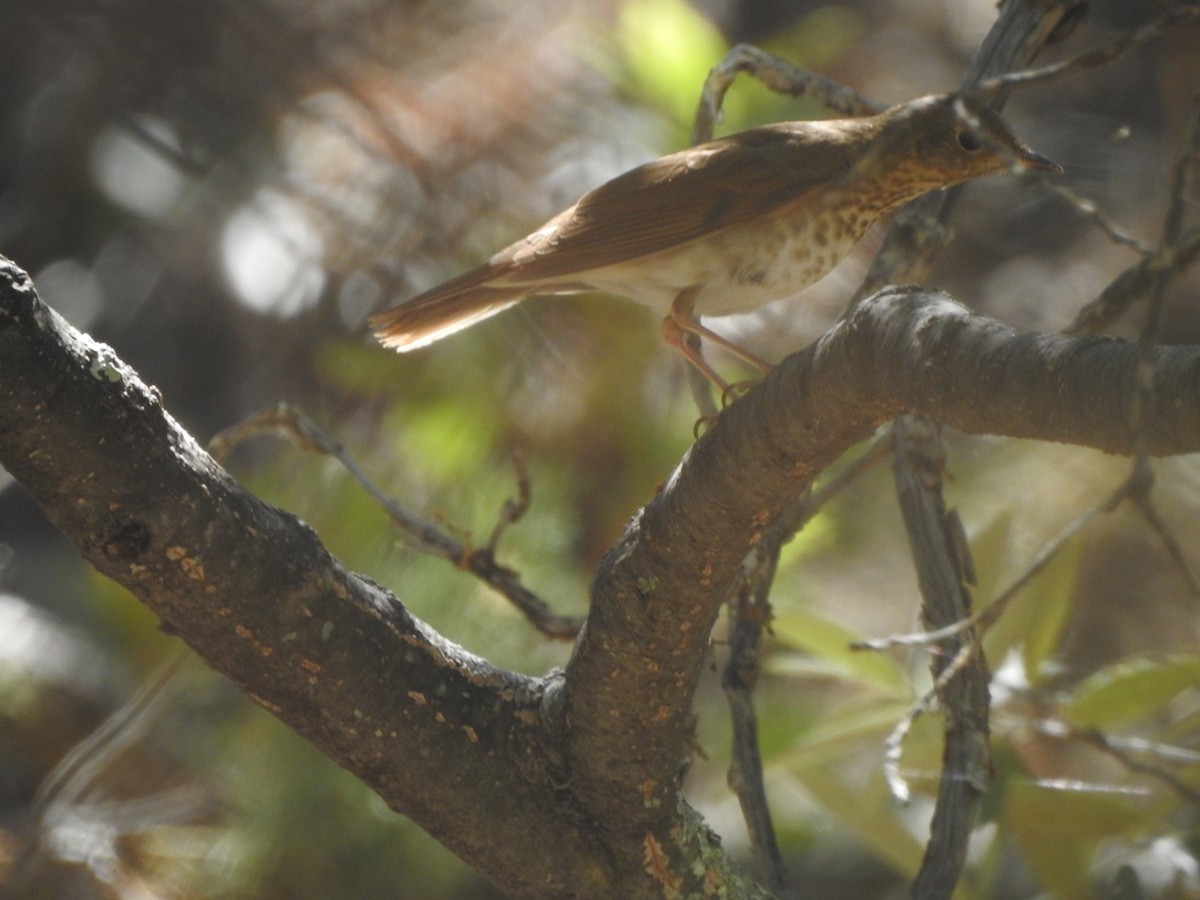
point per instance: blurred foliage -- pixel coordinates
(224, 190)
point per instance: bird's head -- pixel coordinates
(946, 139)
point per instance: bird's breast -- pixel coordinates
(740, 268)
(780, 256)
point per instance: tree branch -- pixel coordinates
(252, 590)
(589, 762)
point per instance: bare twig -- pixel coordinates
(1142, 476)
(1170, 543)
(1133, 489)
(1088, 209)
(1124, 290)
(78, 772)
(286, 419)
(960, 674)
(751, 610)
(78, 820)
(778, 75)
(1184, 177)
(986, 617)
(894, 745)
(514, 508)
(1094, 58)
(1123, 749)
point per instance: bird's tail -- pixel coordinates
(451, 307)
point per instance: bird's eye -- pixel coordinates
(968, 141)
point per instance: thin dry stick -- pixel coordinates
(1092, 59)
(514, 508)
(1138, 278)
(1148, 340)
(1128, 287)
(894, 745)
(425, 535)
(1088, 209)
(1170, 543)
(751, 609)
(80, 768)
(1122, 750)
(778, 75)
(960, 682)
(986, 617)
(1181, 183)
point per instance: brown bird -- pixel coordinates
(727, 226)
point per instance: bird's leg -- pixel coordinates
(682, 320)
(675, 329)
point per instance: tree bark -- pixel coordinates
(496, 765)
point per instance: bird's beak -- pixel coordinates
(1031, 159)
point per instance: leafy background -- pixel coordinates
(224, 190)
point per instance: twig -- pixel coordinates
(1089, 210)
(751, 613)
(286, 419)
(986, 617)
(894, 745)
(778, 75)
(1169, 541)
(1130, 285)
(514, 508)
(751, 609)
(1122, 749)
(1134, 489)
(1183, 179)
(78, 772)
(961, 681)
(1091, 59)
(1142, 476)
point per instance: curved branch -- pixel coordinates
(252, 590)
(655, 599)
(588, 763)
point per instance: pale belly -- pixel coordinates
(736, 271)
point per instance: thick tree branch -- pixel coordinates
(631, 678)
(589, 763)
(252, 590)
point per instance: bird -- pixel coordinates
(727, 226)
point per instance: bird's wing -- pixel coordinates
(677, 199)
(658, 206)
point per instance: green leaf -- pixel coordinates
(829, 643)
(1037, 617)
(1129, 690)
(1059, 825)
(870, 814)
(1068, 809)
(845, 730)
(991, 551)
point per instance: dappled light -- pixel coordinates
(222, 194)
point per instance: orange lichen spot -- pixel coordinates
(657, 867)
(247, 635)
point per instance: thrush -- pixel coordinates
(727, 226)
